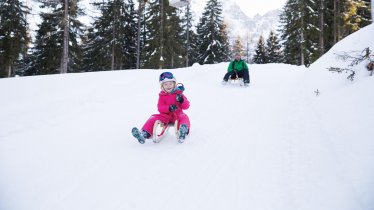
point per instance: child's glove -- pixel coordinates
(173, 107)
(180, 87)
(179, 98)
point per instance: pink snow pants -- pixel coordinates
(165, 118)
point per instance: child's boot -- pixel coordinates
(183, 131)
(139, 135)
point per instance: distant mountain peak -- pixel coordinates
(240, 24)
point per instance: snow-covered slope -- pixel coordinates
(354, 44)
(65, 142)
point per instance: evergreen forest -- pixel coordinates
(143, 34)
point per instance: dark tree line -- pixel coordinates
(269, 51)
(309, 28)
(111, 42)
(14, 39)
(154, 35)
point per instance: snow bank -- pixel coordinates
(65, 141)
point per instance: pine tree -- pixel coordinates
(300, 31)
(174, 35)
(355, 15)
(321, 26)
(194, 49)
(48, 51)
(13, 35)
(164, 45)
(365, 12)
(289, 32)
(310, 28)
(190, 39)
(225, 51)
(212, 35)
(348, 16)
(273, 49)
(247, 54)
(371, 2)
(260, 52)
(111, 42)
(140, 34)
(238, 46)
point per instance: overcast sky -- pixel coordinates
(253, 7)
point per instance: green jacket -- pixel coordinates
(237, 65)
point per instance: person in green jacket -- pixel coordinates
(237, 68)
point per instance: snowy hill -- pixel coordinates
(65, 141)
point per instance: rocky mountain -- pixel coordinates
(239, 24)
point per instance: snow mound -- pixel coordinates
(353, 44)
(65, 141)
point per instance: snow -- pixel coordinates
(65, 140)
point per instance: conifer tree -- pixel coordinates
(111, 42)
(164, 45)
(14, 39)
(190, 38)
(321, 26)
(194, 49)
(225, 51)
(356, 15)
(212, 35)
(48, 51)
(260, 53)
(247, 55)
(273, 49)
(238, 46)
(289, 32)
(343, 17)
(328, 25)
(310, 28)
(300, 31)
(349, 16)
(175, 40)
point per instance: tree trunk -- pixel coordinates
(302, 41)
(9, 70)
(65, 57)
(321, 25)
(302, 55)
(114, 39)
(162, 34)
(335, 21)
(338, 21)
(372, 11)
(188, 35)
(140, 14)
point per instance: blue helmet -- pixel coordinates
(167, 77)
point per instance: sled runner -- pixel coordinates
(236, 81)
(160, 129)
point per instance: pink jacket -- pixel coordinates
(166, 99)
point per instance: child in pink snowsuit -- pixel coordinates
(171, 103)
